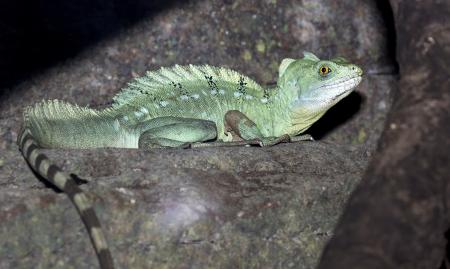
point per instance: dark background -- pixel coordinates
(37, 34)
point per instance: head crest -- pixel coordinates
(310, 56)
(284, 65)
(340, 60)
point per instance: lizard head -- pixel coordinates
(316, 85)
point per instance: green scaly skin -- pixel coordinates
(183, 106)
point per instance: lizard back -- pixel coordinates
(201, 92)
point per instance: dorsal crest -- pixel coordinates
(181, 79)
(310, 56)
(284, 65)
(57, 110)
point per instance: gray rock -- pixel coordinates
(399, 215)
(200, 208)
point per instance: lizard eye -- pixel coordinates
(324, 70)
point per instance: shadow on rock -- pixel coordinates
(337, 115)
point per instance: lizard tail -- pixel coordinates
(40, 163)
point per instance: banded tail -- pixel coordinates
(40, 163)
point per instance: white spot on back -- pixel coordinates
(292, 83)
(248, 97)
(184, 97)
(116, 125)
(163, 103)
(237, 94)
(195, 96)
(125, 118)
(264, 100)
(213, 92)
(144, 110)
(137, 114)
(221, 91)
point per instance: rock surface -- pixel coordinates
(201, 208)
(205, 208)
(405, 194)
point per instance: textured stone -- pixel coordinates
(404, 196)
(205, 208)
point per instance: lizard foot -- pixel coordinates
(305, 137)
(270, 141)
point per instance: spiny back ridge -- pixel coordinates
(56, 109)
(49, 121)
(166, 79)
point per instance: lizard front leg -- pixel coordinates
(245, 132)
(240, 125)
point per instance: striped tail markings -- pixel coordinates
(40, 163)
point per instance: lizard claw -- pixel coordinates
(305, 137)
(271, 141)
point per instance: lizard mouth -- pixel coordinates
(343, 87)
(332, 93)
(344, 84)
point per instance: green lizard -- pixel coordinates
(185, 106)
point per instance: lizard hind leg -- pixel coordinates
(178, 132)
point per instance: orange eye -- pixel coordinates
(324, 70)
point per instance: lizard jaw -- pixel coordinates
(344, 88)
(331, 93)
